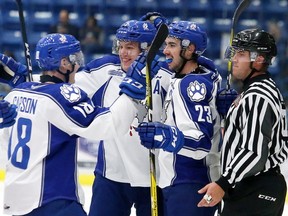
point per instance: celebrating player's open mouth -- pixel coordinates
(128, 52)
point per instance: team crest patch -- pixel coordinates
(116, 73)
(70, 93)
(196, 91)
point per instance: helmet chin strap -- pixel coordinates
(185, 60)
(67, 74)
(253, 70)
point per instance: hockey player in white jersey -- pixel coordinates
(122, 170)
(191, 123)
(41, 173)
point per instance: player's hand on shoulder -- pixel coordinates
(12, 72)
(207, 63)
(159, 135)
(8, 113)
(134, 84)
(224, 100)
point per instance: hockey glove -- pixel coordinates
(132, 88)
(8, 114)
(148, 15)
(155, 17)
(11, 72)
(207, 63)
(224, 100)
(158, 135)
(134, 84)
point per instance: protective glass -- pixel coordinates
(77, 58)
(230, 52)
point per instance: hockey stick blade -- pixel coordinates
(24, 39)
(157, 42)
(241, 7)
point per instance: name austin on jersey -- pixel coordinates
(26, 105)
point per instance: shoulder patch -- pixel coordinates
(71, 93)
(196, 91)
(119, 73)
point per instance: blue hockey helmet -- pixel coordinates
(53, 47)
(189, 32)
(142, 32)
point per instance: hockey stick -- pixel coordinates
(241, 7)
(24, 39)
(157, 42)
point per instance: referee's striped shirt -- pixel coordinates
(255, 138)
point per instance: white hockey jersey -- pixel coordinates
(190, 106)
(42, 158)
(122, 158)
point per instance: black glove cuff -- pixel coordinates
(223, 183)
(3, 74)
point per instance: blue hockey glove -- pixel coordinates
(155, 17)
(134, 84)
(8, 114)
(132, 88)
(12, 72)
(224, 100)
(158, 135)
(207, 63)
(136, 71)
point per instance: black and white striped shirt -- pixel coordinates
(255, 138)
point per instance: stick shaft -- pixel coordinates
(25, 40)
(159, 38)
(241, 7)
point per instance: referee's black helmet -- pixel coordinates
(256, 40)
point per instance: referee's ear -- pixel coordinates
(260, 64)
(260, 59)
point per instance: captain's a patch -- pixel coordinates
(196, 91)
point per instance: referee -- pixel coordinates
(255, 138)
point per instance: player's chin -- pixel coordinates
(125, 65)
(172, 67)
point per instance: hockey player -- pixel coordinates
(255, 135)
(189, 136)
(41, 173)
(122, 169)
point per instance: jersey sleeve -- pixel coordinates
(72, 111)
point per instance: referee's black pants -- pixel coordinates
(261, 195)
